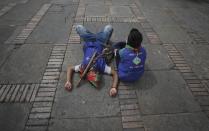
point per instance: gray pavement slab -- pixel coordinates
(22, 13)
(197, 57)
(5, 3)
(159, 17)
(95, 2)
(85, 101)
(162, 92)
(54, 27)
(157, 58)
(13, 116)
(62, 2)
(96, 10)
(87, 124)
(122, 2)
(121, 31)
(177, 122)
(197, 21)
(5, 32)
(150, 4)
(26, 64)
(121, 11)
(167, 28)
(173, 34)
(5, 51)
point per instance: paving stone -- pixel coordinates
(5, 50)
(131, 118)
(81, 124)
(42, 104)
(35, 128)
(96, 10)
(129, 107)
(46, 94)
(37, 122)
(157, 58)
(34, 92)
(156, 97)
(133, 125)
(195, 85)
(3, 96)
(198, 89)
(196, 56)
(17, 71)
(51, 73)
(188, 121)
(56, 57)
(205, 107)
(14, 93)
(13, 116)
(52, 70)
(3, 87)
(193, 81)
(126, 88)
(24, 93)
(12, 87)
(50, 77)
(43, 99)
(41, 110)
(53, 66)
(134, 129)
(30, 92)
(128, 101)
(200, 93)
(55, 60)
(126, 92)
(130, 112)
(172, 34)
(49, 85)
(203, 100)
(129, 96)
(39, 116)
(58, 29)
(80, 101)
(121, 11)
(49, 81)
(47, 89)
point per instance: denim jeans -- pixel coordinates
(102, 36)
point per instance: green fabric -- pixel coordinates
(129, 47)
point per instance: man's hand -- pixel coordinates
(113, 92)
(68, 86)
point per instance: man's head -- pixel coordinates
(135, 38)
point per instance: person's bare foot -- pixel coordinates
(113, 92)
(68, 86)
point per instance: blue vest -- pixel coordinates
(131, 65)
(89, 48)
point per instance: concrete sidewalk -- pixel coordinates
(172, 95)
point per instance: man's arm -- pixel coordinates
(114, 87)
(68, 84)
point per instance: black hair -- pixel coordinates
(134, 38)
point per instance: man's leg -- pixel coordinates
(105, 34)
(85, 34)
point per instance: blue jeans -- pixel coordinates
(102, 36)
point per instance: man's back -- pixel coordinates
(131, 65)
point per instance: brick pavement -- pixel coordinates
(126, 110)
